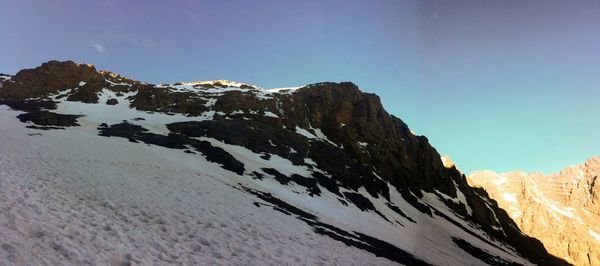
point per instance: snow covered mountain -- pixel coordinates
(96, 168)
(561, 209)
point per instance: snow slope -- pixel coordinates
(113, 201)
(72, 197)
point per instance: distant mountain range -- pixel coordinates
(562, 209)
(96, 168)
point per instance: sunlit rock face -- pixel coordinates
(96, 168)
(561, 209)
(447, 162)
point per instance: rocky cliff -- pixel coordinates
(561, 209)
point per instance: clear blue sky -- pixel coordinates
(497, 85)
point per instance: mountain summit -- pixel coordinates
(98, 168)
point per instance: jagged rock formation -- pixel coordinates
(325, 142)
(561, 209)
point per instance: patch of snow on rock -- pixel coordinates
(270, 114)
(510, 197)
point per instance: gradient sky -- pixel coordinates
(498, 85)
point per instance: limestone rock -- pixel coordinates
(561, 209)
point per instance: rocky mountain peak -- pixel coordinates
(592, 165)
(447, 161)
(57, 70)
(50, 77)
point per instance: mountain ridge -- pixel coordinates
(378, 162)
(566, 200)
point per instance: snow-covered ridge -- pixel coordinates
(284, 90)
(4, 77)
(222, 85)
(220, 82)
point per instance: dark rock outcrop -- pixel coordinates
(45, 118)
(49, 78)
(112, 101)
(136, 133)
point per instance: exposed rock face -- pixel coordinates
(562, 209)
(344, 136)
(51, 77)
